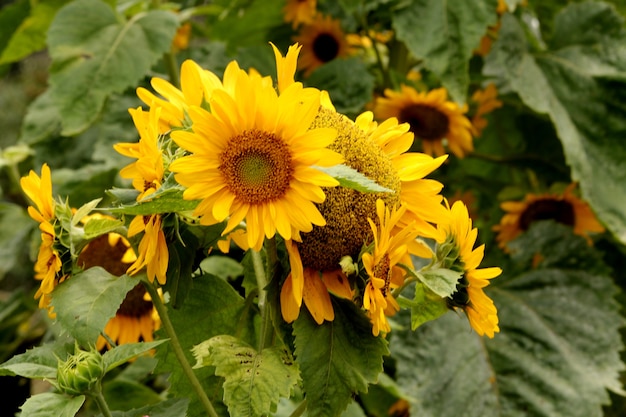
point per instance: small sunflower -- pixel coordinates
(252, 156)
(391, 246)
(299, 12)
(147, 175)
(181, 39)
(322, 41)
(486, 101)
(563, 208)
(432, 118)
(470, 296)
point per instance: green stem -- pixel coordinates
(102, 404)
(178, 350)
(299, 410)
(172, 68)
(264, 307)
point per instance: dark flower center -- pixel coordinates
(325, 47)
(427, 123)
(134, 305)
(558, 210)
(100, 253)
(460, 298)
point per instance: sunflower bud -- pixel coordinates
(80, 372)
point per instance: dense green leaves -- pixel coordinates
(579, 84)
(95, 54)
(443, 34)
(559, 326)
(337, 359)
(85, 302)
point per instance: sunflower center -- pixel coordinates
(557, 210)
(460, 298)
(427, 123)
(99, 252)
(134, 305)
(325, 47)
(257, 167)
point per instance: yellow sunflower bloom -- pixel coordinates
(322, 41)
(252, 158)
(431, 117)
(299, 12)
(470, 296)
(563, 208)
(486, 101)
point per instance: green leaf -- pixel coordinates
(122, 354)
(348, 82)
(440, 281)
(171, 202)
(99, 227)
(30, 35)
(212, 308)
(175, 407)
(85, 302)
(425, 306)
(84, 210)
(95, 55)
(122, 393)
(37, 363)
(557, 352)
(444, 34)
(579, 83)
(15, 231)
(50, 404)
(351, 178)
(11, 17)
(42, 120)
(254, 381)
(337, 358)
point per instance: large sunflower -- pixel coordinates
(322, 41)
(431, 117)
(48, 267)
(470, 296)
(299, 12)
(253, 155)
(563, 208)
(147, 175)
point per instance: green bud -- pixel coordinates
(348, 266)
(80, 372)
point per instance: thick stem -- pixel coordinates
(264, 307)
(102, 404)
(178, 350)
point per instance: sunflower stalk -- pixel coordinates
(101, 401)
(178, 350)
(264, 307)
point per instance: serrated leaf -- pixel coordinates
(425, 306)
(569, 83)
(37, 363)
(440, 281)
(85, 302)
(556, 355)
(254, 382)
(171, 202)
(351, 178)
(444, 34)
(337, 358)
(123, 353)
(50, 404)
(94, 55)
(175, 407)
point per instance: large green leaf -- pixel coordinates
(15, 231)
(122, 354)
(337, 359)
(95, 54)
(557, 352)
(11, 17)
(212, 308)
(37, 363)
(254, 381)
(85, 302)
(443, 34)
(175, 407)
(580, 83)
(50, 404)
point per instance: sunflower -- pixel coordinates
(563, 208)
(470, 296)
(147, 176)
(486, 101)
(431, 117)
(391, 246)
(181, 39)
(322, 41)
(48, 267)
(252, 156)
(379, 153)
(299, 12)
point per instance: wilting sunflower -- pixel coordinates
(563, 208)
(431, 117)
(48, 267)
(379, 153)
(253, 156)
(486, 101)
(470, 296)
(391, 246)
(147, 175)
(299, 12)
(322, 41)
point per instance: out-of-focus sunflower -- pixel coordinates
(298, 12)
(147, 175)
(431, 117)
(252, 156)
(322, 41)
(181, 39)
(485, 101)
(469, 296)
(565, 208)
